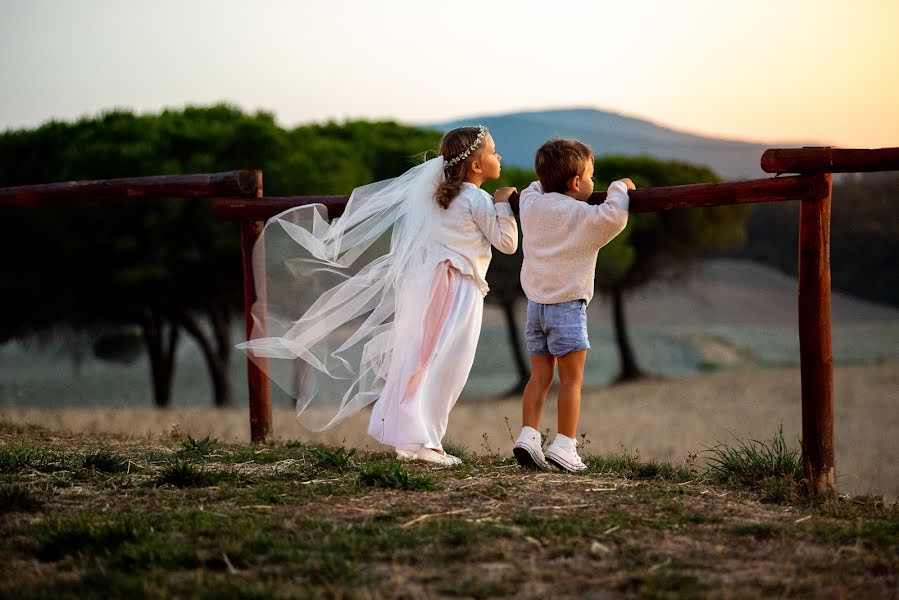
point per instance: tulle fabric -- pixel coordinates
(335, 298)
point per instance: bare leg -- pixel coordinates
(571, 378)
(542, 369)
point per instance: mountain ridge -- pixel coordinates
(519, 134)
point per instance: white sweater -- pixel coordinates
(561, 238)
(468, 228)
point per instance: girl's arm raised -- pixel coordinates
(496, 222)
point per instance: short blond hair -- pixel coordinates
(558, 160)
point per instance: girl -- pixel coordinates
(393, 322)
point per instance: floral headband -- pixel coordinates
(482, 132)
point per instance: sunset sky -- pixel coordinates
(766, 70)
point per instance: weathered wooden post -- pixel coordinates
(815, 343)
(815, 346)
(257, 381)
(815, 340)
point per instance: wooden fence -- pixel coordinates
(237, 195)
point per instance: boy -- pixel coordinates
(562, 235)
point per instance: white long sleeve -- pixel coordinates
(496, 222)
(609, 218)
(561, 241)
(469, 227)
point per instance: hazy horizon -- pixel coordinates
(766, 71)
(449, 118)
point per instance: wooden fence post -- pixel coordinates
(815, 351)
(257, 381)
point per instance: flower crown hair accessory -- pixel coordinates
(482, 132)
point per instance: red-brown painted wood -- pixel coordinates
(231, 183)
(773, 189)
(257, 381)
(263, 209)
(829, 160)
(815, 351)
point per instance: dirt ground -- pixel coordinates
(171, 517)
(662, 419)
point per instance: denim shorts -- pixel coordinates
(556, 329)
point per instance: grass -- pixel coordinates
(204, 518)
(18, 497)
(104, 461)
(197, 448)
(457, 449)
(13, 458)
(85, 535)
(336, 459)
(395, 475)
(627, 464)
(182, 474)
(772, 467)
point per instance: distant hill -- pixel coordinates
(518, 135)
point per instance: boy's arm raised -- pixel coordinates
(610, 218)
(532, 191)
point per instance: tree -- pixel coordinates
(864, 234)
(659, 245)
(165, 267)
(653, 246)
(505, 281)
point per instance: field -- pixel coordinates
(663, 419)
(100, 516)
(101, 497)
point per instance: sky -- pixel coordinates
(760, 70)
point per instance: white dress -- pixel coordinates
(380, 305)
(428, 371)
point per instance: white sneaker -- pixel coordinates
(428, 455)
(566, 459)
(528, 450)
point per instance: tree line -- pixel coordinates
(864, 236)
(169, 269)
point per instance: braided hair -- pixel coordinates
(455, 143)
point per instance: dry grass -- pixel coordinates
(300, 520)
(665, 419)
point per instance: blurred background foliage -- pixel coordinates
(116, 277)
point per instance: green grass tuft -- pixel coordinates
(456, 449)
(760, 531)
(16, 458)
(183, 474)
(104, 460)
(336, 459)
(82, 535)
(631, 466)
(394, 475)
(772, 467)
(197, 448)
(17, 497)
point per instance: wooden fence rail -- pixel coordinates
(238, 195)
(643, 200)
(231, 183)
(829, 160)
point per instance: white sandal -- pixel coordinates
(428, 455)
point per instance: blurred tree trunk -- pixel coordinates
(161, 338)
(521, 363)
(216, 351)
(629, 368)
